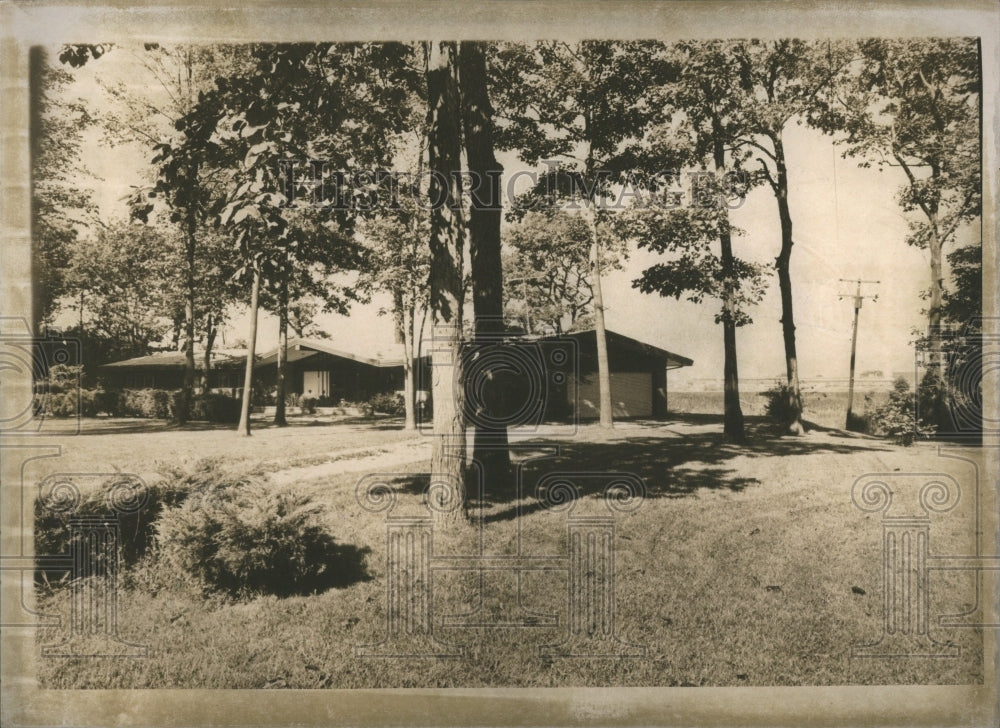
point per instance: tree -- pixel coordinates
(777, 83)
(302, 319)
(399, 265)
(700, 239)
(915, 105)
(490, 448)
(547, 264)
(574, 105)
(124, 277)
(153, 116)
(700, 130)
(180, 180)
(314, 254)
(963, 301)
(447, 233)
(60, 205)
(268, 113)
(181, 73)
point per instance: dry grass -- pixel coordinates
(737, 569)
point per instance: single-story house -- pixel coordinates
(317, 369)
(638, 373)
(165, 370)
(560, 369)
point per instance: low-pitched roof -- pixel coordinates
(171, 359)
(302, 348)
(299, 349)
(674, 361)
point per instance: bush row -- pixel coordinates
(52, 528)
(149, 403)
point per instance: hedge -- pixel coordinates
(147, 403)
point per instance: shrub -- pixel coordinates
(776, 403)
(215, 408)
(934, 402)
(243, 536)
(896, 419)
(61, 404)
(72, 402)
(135, 529)
(863, 421)
(308, 405)
(149, 403)
(108, 401)
(64, 377)
(860, 423)
(390, 403)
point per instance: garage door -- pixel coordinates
(631, 395)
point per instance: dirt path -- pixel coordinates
(360, 460)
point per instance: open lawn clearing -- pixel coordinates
(134, 445)
(745, 565)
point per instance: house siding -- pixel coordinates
(631, 394)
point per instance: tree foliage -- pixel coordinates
(127, 277)
(61, 204)
(914, 105)
(547, 266)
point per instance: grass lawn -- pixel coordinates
(107, 444)
(745, 565)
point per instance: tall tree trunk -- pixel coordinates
(603, 369)
(733, 418)
(491, 448)
(402, 313)
(244, 426)
(447, 491)
(409, 385)
(282, 363)
(191, 227)
(732, 429)
(189, 366)
(211, 330)
(794, 424)
(937, 282)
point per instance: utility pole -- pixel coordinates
(858, 298)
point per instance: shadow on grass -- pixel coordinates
(676, 462)
(345, 564)
(322, 565)
(674, 458)
(136, 425)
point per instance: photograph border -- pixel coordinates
(26, 24)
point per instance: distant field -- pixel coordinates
(823, 408)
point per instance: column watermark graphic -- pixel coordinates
(93, 562)
(908, 504)
(415, 628)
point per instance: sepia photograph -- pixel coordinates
(435, 374)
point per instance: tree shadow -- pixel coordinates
(128, 426)
(674, 458)
(345, 564)
(323, 564)
(676, 463)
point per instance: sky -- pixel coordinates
(847, 224)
